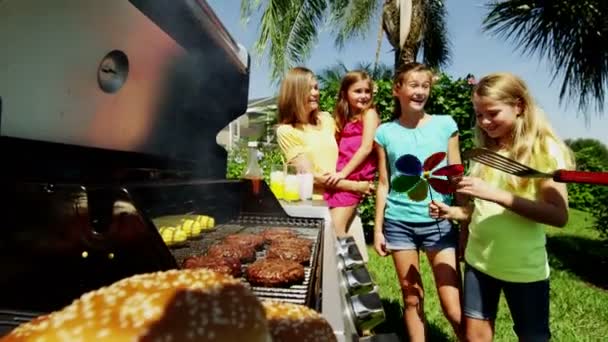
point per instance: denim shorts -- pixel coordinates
(528, 303)
(435, 235)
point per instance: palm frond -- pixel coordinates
(248, 7)
(351, 19)
(381, 72)
(435, 42)
(302, 25)
(338, 10)
(332, 74)
(288, 30)
(272, 34)
(572, 35)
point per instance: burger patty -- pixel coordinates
(251, 240)
(275, 273)
(291, 252)
(244, 254)
(272, 234)
(225, 265)
(293, 241)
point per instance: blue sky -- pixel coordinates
(472, 52)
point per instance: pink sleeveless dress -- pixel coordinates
(350, 141)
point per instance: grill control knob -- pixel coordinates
(357, 281)
(345, 241)
(350, 259)
(367, 310)
(345, 250)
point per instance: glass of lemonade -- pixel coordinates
(277, 181)
(291, 191)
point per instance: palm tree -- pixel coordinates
(289, 28)
(332, 76)
(572, 35)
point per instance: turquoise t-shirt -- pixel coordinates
(422, 142)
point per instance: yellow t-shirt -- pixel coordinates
(505, 245)
(317, 143)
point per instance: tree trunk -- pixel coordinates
(407, 55)
(378, 47)
(390, 20)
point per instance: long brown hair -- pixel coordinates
(401, 76)
(342, 112)
(531, 134)
(293, 96)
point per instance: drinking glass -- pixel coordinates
(277, 181)
(306, 181)
(292, 185)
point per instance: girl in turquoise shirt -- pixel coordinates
(402, 225)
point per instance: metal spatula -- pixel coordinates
(502, 163)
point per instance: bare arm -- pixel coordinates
(381, 195)
(370, 124)
(381, 190)
(454, 150)
(454, 158)
(444, 211)
(551, 206)
(302, 164)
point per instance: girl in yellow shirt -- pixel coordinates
(506, 242)
(306, 135)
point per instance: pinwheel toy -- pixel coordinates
(416, 178)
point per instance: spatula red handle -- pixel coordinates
(586, 177)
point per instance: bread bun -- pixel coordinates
(176, 305)
(292, 322)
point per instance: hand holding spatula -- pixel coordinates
(502, 163)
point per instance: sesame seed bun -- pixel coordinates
(292, 322)
(176, 305)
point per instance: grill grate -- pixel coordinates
(304, 227)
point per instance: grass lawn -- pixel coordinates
(579, 289)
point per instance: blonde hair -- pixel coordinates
(532, 133)
(342, 112)
(401, 76)
(293, 97)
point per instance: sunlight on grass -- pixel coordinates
(579, 288)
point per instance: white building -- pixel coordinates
(251, 124)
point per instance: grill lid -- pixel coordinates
(155, 80)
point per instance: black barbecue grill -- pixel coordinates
(82, 237)
(105, 131)
(254, 213)
(109, 113)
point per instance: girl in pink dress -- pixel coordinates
(356, 121)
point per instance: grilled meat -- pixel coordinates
(250, 240)
(275, 273)
(292, 252)
(225, 265)
(245, 254)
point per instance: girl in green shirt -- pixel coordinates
(506, 238)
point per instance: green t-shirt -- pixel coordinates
(505, 245)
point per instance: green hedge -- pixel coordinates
(237, 160)
(591, 155)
